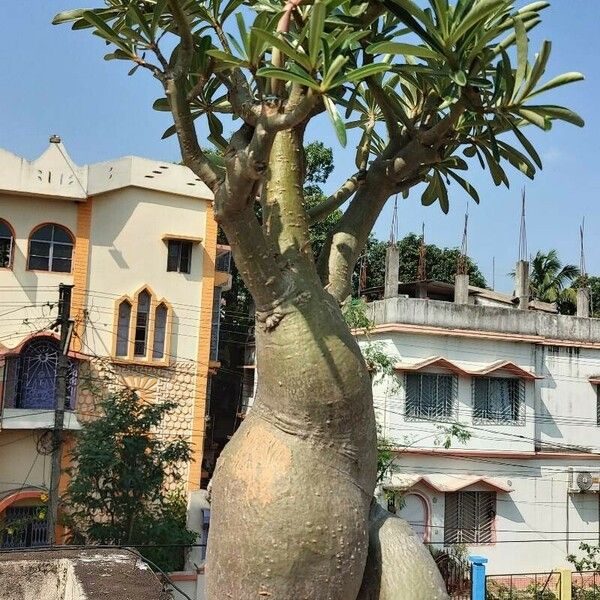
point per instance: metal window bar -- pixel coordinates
(223, 262)
(215, 325)
(25, 527)
(498, 400)
(469, 517)
(430, 397)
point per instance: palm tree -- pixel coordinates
(550, 280)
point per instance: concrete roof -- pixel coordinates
(55, 175)
(77, 575)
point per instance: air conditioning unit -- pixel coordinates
(582, 481)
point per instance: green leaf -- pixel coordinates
(537, 71)
(527, 145)
(105, 31)
(338, 123)
(517, 160)
(479, 12)
(406, 49)
(557, 112)
(558, 81)
(534, 118)
(140, 19)
(68, 15)
(442, 192)
(522, 52)
(282, 45)
(497, 172)
(318, 14)
(159, 9)
(470, 151)
(339, 61)
(430, 195)
(161, 104)
(459, 77)
(299, 76)
(226, 58)
(465, 185)
(169, 132)
(442, 11)
(365, 71)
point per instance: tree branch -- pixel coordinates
(324, 209)
(186, 48)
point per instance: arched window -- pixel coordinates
(37, 371)
(142, 316)
(143, 328)
(50, 249)
(124, 321)
(7, 240)
(160, 330)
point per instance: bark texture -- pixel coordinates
(292, 490)
(399, 567)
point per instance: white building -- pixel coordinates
(524, 385)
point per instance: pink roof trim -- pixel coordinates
(432, 361)
(507, 365)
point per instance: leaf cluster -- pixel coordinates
(117, 492)
(447, 76)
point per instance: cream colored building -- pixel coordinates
(136, 239)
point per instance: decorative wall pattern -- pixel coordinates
(152, 384)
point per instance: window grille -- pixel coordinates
(30, 378)
(216, 324)
(179, 256)
(25, 526)
(141, 324)
(430, 396)
(50, 249)
(123, 322)
(160, 331)
(469, 517)
(223, 262)
(498, 400)
(598, 404)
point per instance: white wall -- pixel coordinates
(537, 524)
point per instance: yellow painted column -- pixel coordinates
(203, 353)
(80, 270)
(565, 584)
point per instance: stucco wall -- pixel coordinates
(18, 453)
(22, 290)
(537, 524)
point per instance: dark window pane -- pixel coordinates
(160, 330)
(61, 265)
(186, 257)
(60, 234)
(38, 263)
(39, 249)
(173, 255)
(62, 251)
(43, 233)
(123, 328)
(141, 324)
(5, 252)
(429, 396)
(5, 231)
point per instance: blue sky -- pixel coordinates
(55, 81)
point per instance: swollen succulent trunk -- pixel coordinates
(293, 488)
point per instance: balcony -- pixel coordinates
(29, 387)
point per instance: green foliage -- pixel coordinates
(590, 561)
(448, 433)
(117, 492)
(441, 262)
(393, 62)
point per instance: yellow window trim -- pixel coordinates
(181, 238)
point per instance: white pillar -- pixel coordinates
(461, 288)
(392, 268)
(583, 302)
(522, 284)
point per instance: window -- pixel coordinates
(469, 517)
(50, 249)
(598, 404)
(123, 323)
(179, 256)
(141, 324)
(498, 400)
(7, 239)
(24, 527)
(143, 328)
(30, 378)
(430, 396)
(160, 330)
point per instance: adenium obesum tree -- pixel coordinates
(292, 491)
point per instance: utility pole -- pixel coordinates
(65, 326)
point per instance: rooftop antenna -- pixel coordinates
(422, 268)
(461, 267)
(394, 224)
(523, 232)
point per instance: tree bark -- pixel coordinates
(292, 489)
